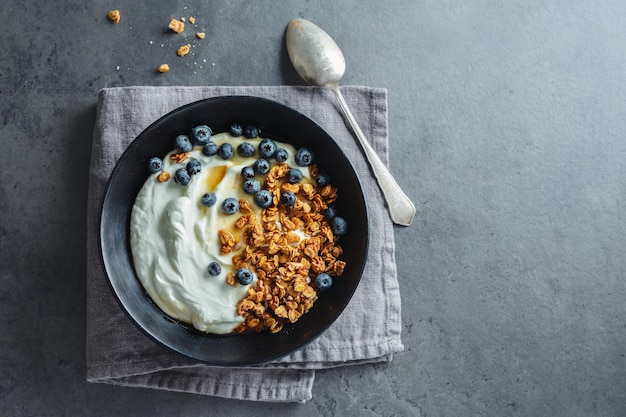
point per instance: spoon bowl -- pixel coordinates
(314, 54)
(319, 61)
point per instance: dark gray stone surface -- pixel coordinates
(507, 128)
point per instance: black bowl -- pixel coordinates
(278, 122)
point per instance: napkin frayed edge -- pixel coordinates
(179, 379)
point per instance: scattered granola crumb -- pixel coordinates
(183, 50)
(114, 15)
(176, 25)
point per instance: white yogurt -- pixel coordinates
(174, 238)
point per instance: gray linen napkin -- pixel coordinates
(368, 331)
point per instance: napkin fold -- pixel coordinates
(368, 330)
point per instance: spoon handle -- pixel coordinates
(401, 208)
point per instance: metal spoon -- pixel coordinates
(319, 61)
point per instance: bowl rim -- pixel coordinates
(116, 288)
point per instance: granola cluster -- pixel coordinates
(114, 16)
(286, 247)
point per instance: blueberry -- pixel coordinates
(236, 130)
(281, 155)
(304, 157)
(193, 167)
(181, 176)
(322, 180)
(201, 135)
(251, 186)
(339, 225)
(251, 132)
(247, 173)
(208, 199)
(323, 281)
(261, 166)
(225, 151)
(214, 269)
(245, 149)
(244, 276)
(294, 175)
(267, 148)
(288, 198)
(263, 199)
(155, 165)
(210, 148)
(230, 206)
(330, 213)
(182, 143)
